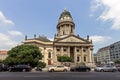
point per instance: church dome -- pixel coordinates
(65, 24)
(65, 13)
(65, 16)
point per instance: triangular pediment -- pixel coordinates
(72, 38)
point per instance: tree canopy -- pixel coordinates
(117, 61)
(64, 59)
(24, 54)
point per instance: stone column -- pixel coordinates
(69, 29)
(82, 56)
(69, 51)
(54, 55)
(75, 55)
(91, 58)
(90, 55)
(65, 32)
(45, 56)
(61, 52)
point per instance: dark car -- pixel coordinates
(3, 67)
(38, 68)
(80, 69)
(20, 68)
(118, 67)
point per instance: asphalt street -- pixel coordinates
(59, 75)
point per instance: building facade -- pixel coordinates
(103, 55)
(65, 43)
(95, 58)
(115, 51)
(3, 54)
(109, 53)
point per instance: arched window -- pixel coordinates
(49, 55)
(63, 32)
(78, 58)
(84, 50)
(84, 58)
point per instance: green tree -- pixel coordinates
(41, 64)
(117, 61)
(1, 61)
(24, 54)
(64, 59)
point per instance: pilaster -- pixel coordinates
(82, 56)
(62, 50)
(55, 55)
(69, 51)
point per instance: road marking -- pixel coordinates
(84, 76)
(36, 76)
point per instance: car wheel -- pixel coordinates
(118, 70)
(87, 70)
(24, 70)
(65, 70)
(113, 70)
(101, 70)
(52, 70)
(0, 70)
(73, 70)
(10, 70)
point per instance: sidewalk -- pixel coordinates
(43, 70)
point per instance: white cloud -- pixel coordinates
(15, 33)
(6, 42)
(99, 39)
(51, 39)
(111, 11)
(4, 21)
(9, 38)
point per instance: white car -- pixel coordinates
(58, 69)
(106, 68)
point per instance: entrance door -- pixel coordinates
(72, 53)
(49, 62)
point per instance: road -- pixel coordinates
(60, 76)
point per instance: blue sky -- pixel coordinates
(100, 19)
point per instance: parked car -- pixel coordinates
(103, 68)
(58, 69)
(38, 68)
(23, 68)
(3, 67)
(80, 69)
(118, 67)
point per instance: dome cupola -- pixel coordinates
(65, 16)
(65, 24)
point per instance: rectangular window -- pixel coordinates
(78, 50)
(64, 50)
(58, 49)
(84, 50)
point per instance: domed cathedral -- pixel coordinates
(65, 43)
